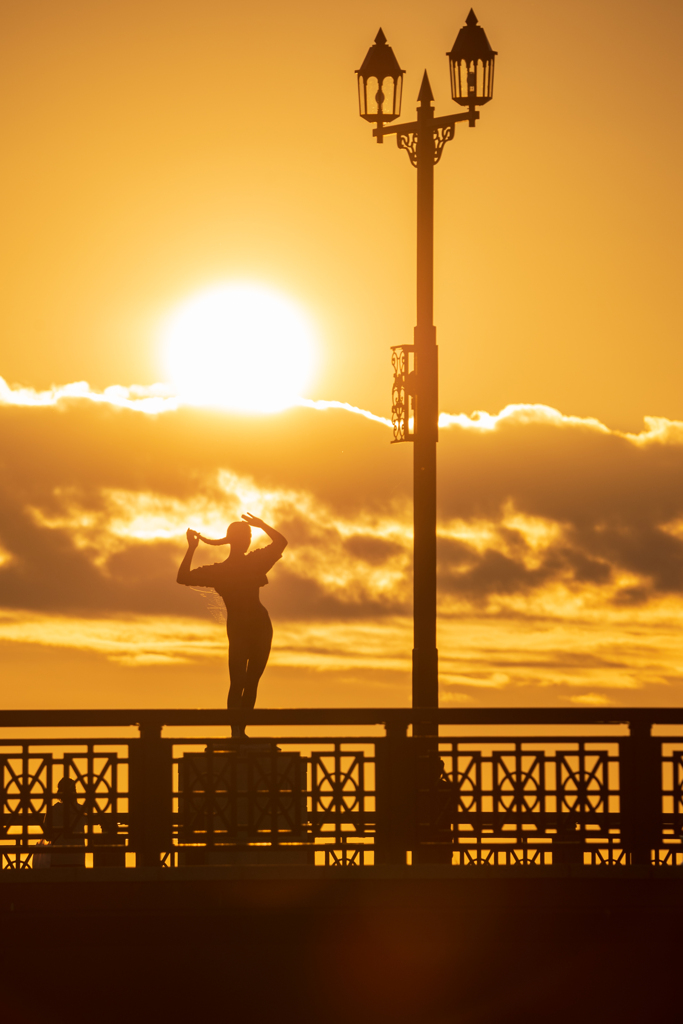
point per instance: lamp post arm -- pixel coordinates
(412, 126)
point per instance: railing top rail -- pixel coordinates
(155, 718)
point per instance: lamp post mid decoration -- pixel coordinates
(415, 390)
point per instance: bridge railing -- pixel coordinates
(355, 786)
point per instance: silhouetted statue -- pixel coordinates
(238, 580)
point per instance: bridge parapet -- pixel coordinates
(353, 786)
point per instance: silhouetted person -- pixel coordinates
(67, 829)
(238, 580)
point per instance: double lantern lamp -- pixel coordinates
(380, 76)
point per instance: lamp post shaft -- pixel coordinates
(415, 394)
(425, 654)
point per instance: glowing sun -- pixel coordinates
(240, 346)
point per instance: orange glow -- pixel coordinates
(156, 167)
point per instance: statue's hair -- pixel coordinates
(231, 529)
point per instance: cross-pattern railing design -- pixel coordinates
(371, 791)
(32, 813)
(523, 800)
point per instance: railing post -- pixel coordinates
(434, 810)
(395, 795)
(641, 791)
(150, 786)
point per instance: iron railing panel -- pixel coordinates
(538, 798)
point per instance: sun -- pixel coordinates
(240, 346)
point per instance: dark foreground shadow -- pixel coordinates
(469, 952)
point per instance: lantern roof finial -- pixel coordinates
(380, 61)
(425, 94)
(471, 42)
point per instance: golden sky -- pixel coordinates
(151, 151)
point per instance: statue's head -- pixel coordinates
(239, 536)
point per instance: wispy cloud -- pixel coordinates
(151, 399)
(132, 641)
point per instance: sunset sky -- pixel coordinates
(154, 154)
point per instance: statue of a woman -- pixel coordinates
(238, 580)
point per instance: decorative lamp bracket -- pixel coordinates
(441, 137)
(408, 141)
(443, 131)
(403, 393)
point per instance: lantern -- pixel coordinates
(380, 83)
(471, 62)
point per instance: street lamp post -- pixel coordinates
(415, 410)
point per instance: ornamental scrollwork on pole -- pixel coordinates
(441, 137)
(403, 393)
(408, 141)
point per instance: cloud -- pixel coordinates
(96, 497)
(563, 500)
(151, 399)
(545, 519)
(591, 700)
(130, 640)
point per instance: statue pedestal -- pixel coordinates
(243, 801)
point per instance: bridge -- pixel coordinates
(474, 865)
(344, 788)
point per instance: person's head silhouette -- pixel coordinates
(66, 790)
(238, 536)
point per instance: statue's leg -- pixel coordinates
(261, 637)
(238, 654)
